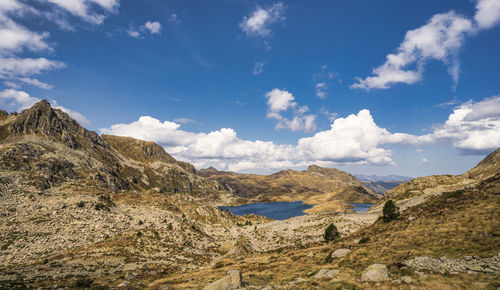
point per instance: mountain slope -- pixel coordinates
(315, 185)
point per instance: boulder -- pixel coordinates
(406, 279)
(325, 273)
(340, 253)
(375, 273)
(231, 281)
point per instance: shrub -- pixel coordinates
(101, 206)
(390, 211)
(331, 233)
(83, 283)
(364, 240)
(81, 204)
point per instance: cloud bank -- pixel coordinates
(472, 128)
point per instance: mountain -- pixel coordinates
(330, 187)
(382, 187)
(44, 148)
(390, 177)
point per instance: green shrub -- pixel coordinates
(364, 240)
(83, 283)
(81, 204)
(390, 211)
(331, 233)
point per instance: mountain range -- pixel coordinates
(82, 210)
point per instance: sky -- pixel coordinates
(372, 87)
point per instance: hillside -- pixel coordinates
(330, 187)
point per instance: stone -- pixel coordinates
(375, 273)
(406, 279)
(123, 284)
(326, 273)
(340, 253)
(231, 281)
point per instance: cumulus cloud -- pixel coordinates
(153, 27)
(354, 140)
(473, 128)
(279, 102)
(15, 100)
(488, 13)
(259, 22)
(440, 39)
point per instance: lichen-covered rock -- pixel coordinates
(375, 273)
(340, 253)
(231, 281)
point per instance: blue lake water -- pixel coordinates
(274, 210)
(361, 207)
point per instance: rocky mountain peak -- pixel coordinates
(42, 119)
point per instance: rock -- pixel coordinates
(231, 281)
(326, 273)
(375, 273)
(123, 284)
(406, 279)
(340, 253)
(397, 281)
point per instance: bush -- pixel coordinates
(364, 240)
(83, 283)
(331, 233)
(390, 211)
(80, 204)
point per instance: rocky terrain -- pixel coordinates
(329, 188)
(79, 210)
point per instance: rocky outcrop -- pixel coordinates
(375, 273)
(467, 264)
(340, 253)
(231, 281)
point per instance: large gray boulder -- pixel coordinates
(231, 281)
(375, 273)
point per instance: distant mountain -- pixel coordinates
(315, 185)
(390, 177)
(382, 187)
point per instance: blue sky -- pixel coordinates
(372, 87)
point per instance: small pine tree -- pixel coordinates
(331, 233)
(390, 211)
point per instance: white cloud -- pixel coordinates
(322, 81)
(36, 83)
(260, 20)
(356, 139)
(473, 128)
(488, 13)
(153, 27)
(426, 161)
(14, 67)
(16, 38)
(258, 68)
(280, 101)
(15, 100)
(148, 27)
(440, 39)
(84, 8)
(184, 120)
